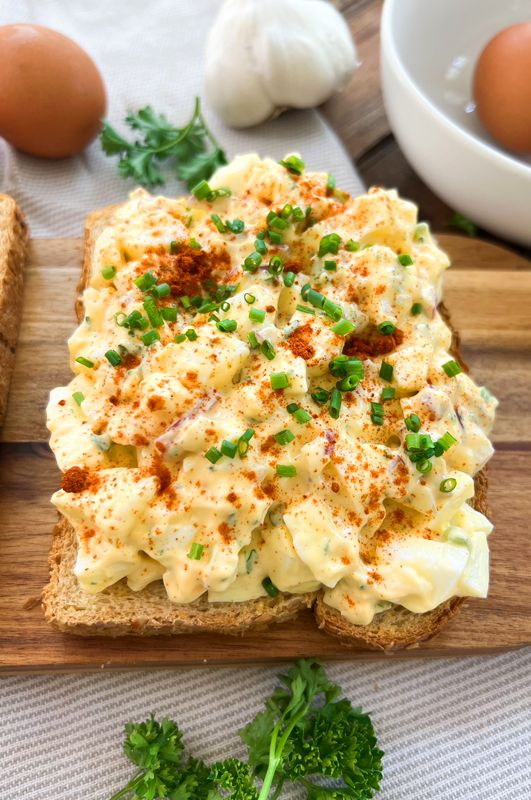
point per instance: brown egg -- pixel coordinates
(52, 97)
(502, 87)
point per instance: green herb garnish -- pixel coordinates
(193, 150)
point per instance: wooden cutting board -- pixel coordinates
(489, 294)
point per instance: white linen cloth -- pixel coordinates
(453, 729)
(149, 53)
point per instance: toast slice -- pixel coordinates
(119, 611)
(14, 241)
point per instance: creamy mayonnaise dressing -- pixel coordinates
(357, 519)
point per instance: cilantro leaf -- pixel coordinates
(195, 153)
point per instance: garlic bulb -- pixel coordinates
(264, 56)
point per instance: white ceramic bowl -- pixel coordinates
(428, 52)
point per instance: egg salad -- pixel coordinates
(264, 400)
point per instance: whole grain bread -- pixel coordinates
(119, 611)
(13, 255)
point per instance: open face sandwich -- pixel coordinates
(268, 412)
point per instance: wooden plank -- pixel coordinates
(356, 112)
(27, 642)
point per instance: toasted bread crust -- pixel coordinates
(119, 611)
(14, 240)
(396, 628)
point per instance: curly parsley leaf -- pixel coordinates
(193, 150)
(305, 736)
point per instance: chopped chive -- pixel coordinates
(330, 184)
(275, 266)
(78, 397)
(446, 441)
(150, 337)
(236, 226)
(186, 302)
(452, 368)
(260, 246)
(416, 309)
(213, 455)
(154, 315)
(161, 290)
(252, 262)
(386, 328)
(302, 416)
(297, 215)
(343, 327)
(413, 423)
(243, 442)
(332, 310)
(352, 246)
(293, 164)
(274, 236)
(195, 245)
(386, 371)
(268, 350)
(196, 551)
(405, 260)
(225, 306)
(270, 587)
(348, 383)
(249, 298)
(229, 449)
(412, 441)
(169, 313)
(388, 393)
(191, 334)
(447, 485)
(343, 365)
(227, 325)
(331, 266)
(335, 403)
(257, 315)
(174, 247)
(329, 244)
(201, 190)
(286, 211)
(108, 272)
(253, 341)
(180, 337)
(421, 231)
(289, 279)
(113, 358)
(377, 414)
(305, 309)
(216, 219)
(86, 362)
(279, 380)
(145, 281)
(291, 408)
(320, 395)
(424, 466)
(284, 437)
(286, 470)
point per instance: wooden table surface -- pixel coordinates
(358, 116)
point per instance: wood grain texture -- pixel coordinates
(489, 295)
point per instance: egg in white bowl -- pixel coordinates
(428, 54)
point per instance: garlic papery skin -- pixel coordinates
(264, 56)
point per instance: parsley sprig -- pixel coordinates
(195, 152)
(305, 736)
